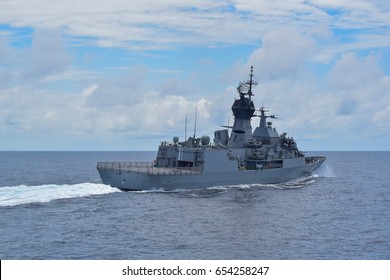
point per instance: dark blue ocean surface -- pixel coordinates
(53, 206)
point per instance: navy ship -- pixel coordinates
(243, 156)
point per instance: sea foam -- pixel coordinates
(17, 195)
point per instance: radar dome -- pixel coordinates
(205, 140)
(175, 139)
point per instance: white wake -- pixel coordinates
(17, 195)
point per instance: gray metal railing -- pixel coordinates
(149, 168)
(314, 159)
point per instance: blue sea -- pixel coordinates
(54, 206)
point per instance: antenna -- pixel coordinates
(185, 129)
(196, 115)
(245, 88)
(250, 82)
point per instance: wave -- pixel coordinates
(299, 183)
(325, 171)
(218, 189)
(17, 195)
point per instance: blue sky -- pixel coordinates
(122, 75)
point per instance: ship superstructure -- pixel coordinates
(243, 157)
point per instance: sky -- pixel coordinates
(122, 75)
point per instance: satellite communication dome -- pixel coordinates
(205, 140)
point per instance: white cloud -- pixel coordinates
(284, 53)
(6, 52)
(352, 72)
(353, 91)
(48, 54)
(46, 57)
(152, 114)
(29, 110)
(381, 121)
(166, 24)
(350, 101)
(123, 90)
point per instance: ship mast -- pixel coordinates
(245, 88)
(243, 110)
(251, 82)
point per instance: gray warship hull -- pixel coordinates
(144, 176)
(261, 156)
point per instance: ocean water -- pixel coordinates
(53, 206)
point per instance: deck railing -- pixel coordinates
(149, 168)
(314, 159)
